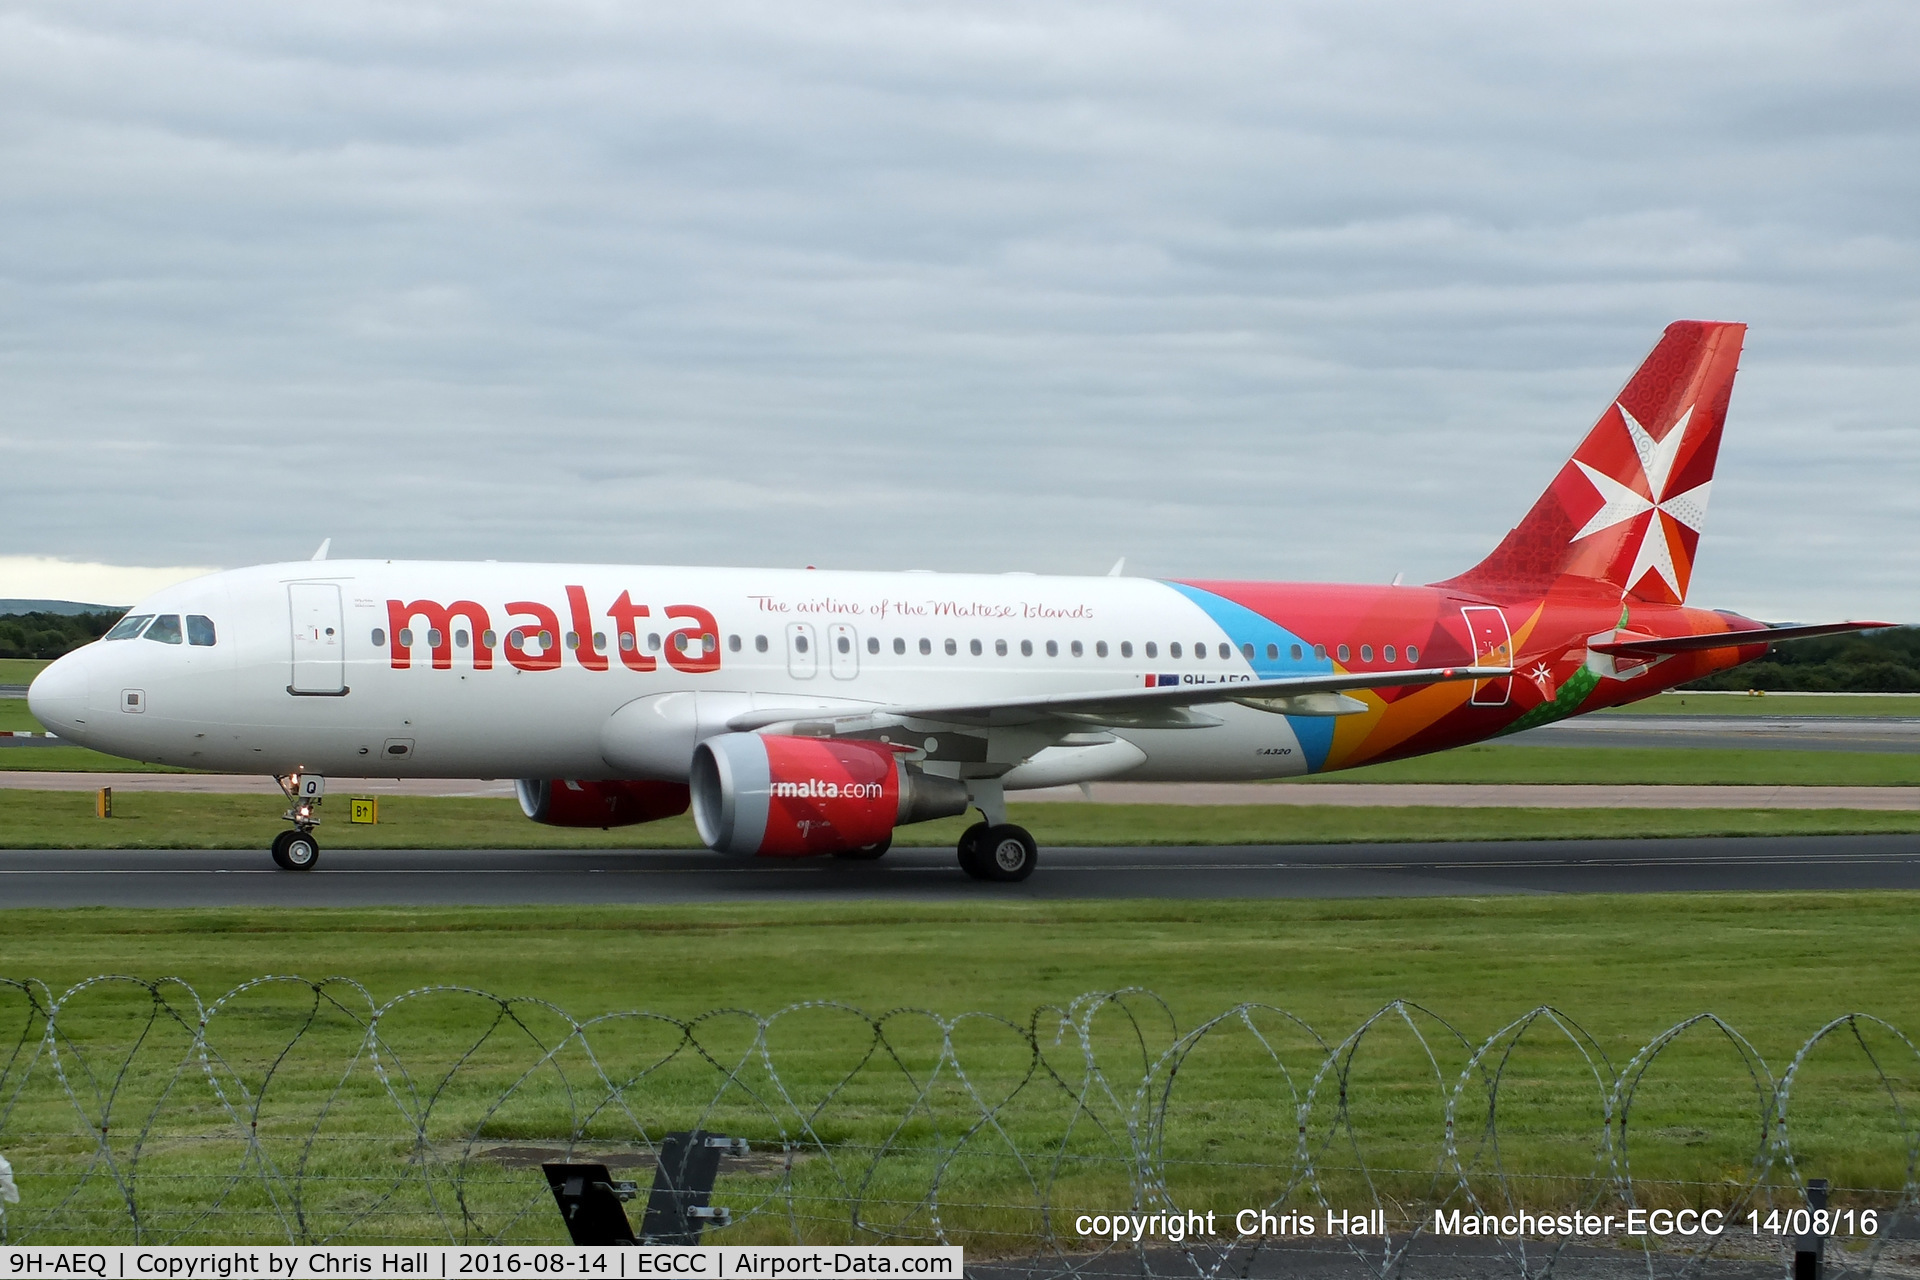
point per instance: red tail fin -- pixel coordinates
(1626, 510)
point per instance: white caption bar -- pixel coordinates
(458, 1262)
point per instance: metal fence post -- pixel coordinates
(1808, 1249)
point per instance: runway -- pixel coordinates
(509, 877)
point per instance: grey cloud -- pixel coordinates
(1296, 290)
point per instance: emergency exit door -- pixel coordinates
(1492, 647)
(319, 640)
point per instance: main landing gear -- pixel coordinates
(297, 850)
(997, 851)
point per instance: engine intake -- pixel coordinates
(784, 796)
(607, 803)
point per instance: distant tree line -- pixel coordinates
(1876, 662)
(48, 635)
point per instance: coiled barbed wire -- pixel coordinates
(289, 1110)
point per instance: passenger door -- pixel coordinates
(319, 640)
(1492, 647)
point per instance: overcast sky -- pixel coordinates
(1318, 291)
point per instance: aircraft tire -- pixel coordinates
(971, 860)
(1007, 853)
(299, 852)
(280, 850)
(866, 852)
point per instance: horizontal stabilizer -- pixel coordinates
(1627, 644)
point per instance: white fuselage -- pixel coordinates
(342, 668)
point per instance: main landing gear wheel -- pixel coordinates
(1006, 853)
(866, 852)
(969, 850)
(295, 850)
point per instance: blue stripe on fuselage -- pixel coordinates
(1243, 626)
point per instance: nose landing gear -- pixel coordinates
(297, 850)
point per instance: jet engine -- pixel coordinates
(615, 803)
(786, 796)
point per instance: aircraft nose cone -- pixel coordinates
(58, 696)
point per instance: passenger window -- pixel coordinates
(1294, 653)
(973, 647)
(1026, 648)
(434, 637)
(406, 637)
(200, 630)
(1126, 649)
(926, 646)
(1345, 653)
(1000, 647)
(1320, 651)
(1077, 651)
(952, 648)
(733, 643)
(1100, 649)
(899, 645)
(546, 641)
(1273, 652)
(627, 642)
(1366, 653)
(1387, 653)
(1173, 650)
(873, 644)
(1246, 651)
(799, 644)
(1153, 650)
(460, 640)
(845, 645)
(759, 644)
(1413, 653)
(489, 639)
(653, 641)
(1226, 651)
(379, 638)
(165, 629)
(1053, 648)
(129, 627)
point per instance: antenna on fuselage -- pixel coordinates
(321, 554)
(1119, 566)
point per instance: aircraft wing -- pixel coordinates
(1628, 644)
(1161, 706)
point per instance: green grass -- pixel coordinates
(164, 820)
(74, 760)
(1776, 967)
(1772, 704)
(14, 715)
(1658, 766)
(21, 670)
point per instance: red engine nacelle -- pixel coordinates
(790, 796)
(615, 803)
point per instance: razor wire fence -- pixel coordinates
(295, 1111)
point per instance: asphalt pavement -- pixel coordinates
(511, 877)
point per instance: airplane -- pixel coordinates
(810, 712)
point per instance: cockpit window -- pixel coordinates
(129, 627)
(165, 629)
(199, 630)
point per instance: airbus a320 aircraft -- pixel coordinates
(803, 712)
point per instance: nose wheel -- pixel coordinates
(1001, 851)
(295, 850)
